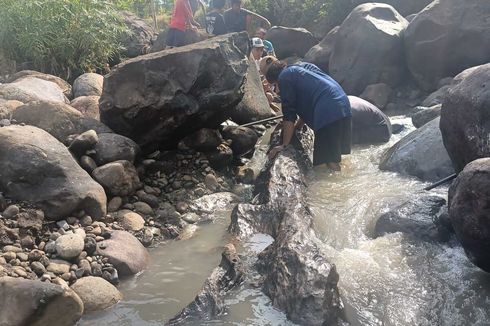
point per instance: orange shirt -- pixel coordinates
(182, 12)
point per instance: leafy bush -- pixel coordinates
(61, 37)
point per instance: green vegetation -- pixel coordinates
(61, 37)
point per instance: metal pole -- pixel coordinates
(441, 182)
(261, 121)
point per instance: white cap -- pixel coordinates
(257, 43)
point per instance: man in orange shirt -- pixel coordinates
(182, 19)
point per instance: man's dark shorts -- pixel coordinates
(333, 141)
(175, 37)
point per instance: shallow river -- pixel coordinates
(391, 280)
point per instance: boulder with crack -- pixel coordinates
(297, 275)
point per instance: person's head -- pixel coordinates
(274, 71)
(218, 4)
(257, 48)
(260, 33)
(265, 63)
(236, 4)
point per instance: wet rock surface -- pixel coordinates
(297, 275)
(421, 153)
(209, 302)
(415, 218)
(469, 199)
(369, 124)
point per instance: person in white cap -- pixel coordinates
(257, 51)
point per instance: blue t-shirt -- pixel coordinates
(268, 47)
(311, 94)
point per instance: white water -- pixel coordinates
(387, 281)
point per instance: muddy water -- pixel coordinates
(391, 280)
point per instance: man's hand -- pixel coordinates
(274, 151)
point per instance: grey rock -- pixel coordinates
(290, 42)
(56, 183)
(176, 102)
(420, 154)
(320, 54)
(119, 178)
(436, 97)
(11, 211)
(88, 164)
(113, 147)
(69, 246)
(426, 115)
(32, 89)
(221, 158)
(143, 208)
(140, 39)
(58, 267)
(62, 84)
(88, 106)
(203, 140)
(243, 139)
(83, 142)
(89, 84)
(131, 221)
(96, 293)
(369, 48)
(377, 94)
(90, 245)
(38, 268)
(369, 124)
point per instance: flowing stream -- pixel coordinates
(391, 280)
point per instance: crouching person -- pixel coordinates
(319, 102)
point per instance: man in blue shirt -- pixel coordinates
(321, 103)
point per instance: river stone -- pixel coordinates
(32, 89)
(290, 42)
(221, 158)
(88, 106)
(319, 55)
(69, 246)
(414, 218)
(469, 202)
(96, 293)
(35, 303)
(58, 267)
(125, 252)
(254, 105)
(211, 182)
(62, 84)
(436, 97)
(31, 220)
(203, 140)
(88, 164)
(113, 147)
(41, 170)
(243, 139)
(191, 218)
(369, 48)
(143, 208)
(131, 221)
(114, 204)
(369, 124)
(451, 29)
(426, 115)
(38, 268)
(420, 154)
(7, 108)
(83, 142)
(151, 101)
(59, 119)
(215, 202)
(465, 118)
(119, 178)
(11, 211)
(89, 84)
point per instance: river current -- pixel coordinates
(391, 280)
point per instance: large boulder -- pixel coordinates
(290, 42)
(369, 48)
(436, 97)
(420, 154)
(469, 202)
(88, 106)
(254, 105)
(425, 115)
(64, 85)
(378, 94)
(29, 89)
(140, 38)
(7, 108)
(406, 8)
(113, 147)
(369, 124)
(59, 119)
(35, 303)
(203, 140)
(96, 293)
(447, 37)
(89, 84)
(159, 98)
(465, 118)
(320, 53)
(36, 168)
(119, 178)
(125, 252)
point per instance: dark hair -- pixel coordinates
(218, 4)
(274, 71)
